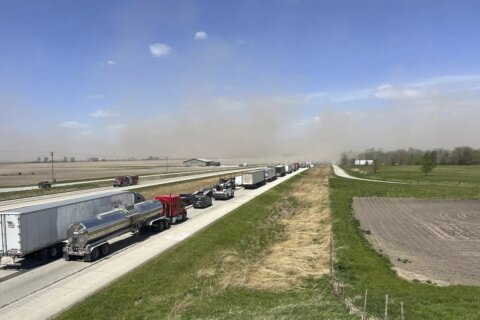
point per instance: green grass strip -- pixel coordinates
(170, 286)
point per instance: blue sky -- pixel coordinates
(89, 72)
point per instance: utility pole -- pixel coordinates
(53, 177)
(167, 164)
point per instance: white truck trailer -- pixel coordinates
(253, 179)
(42, 228)
(288, 168)
(269, 174)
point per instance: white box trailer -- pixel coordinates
(253, 179)
(42, 228)
(269, 173)
(280, 170)
(288, 168)
(238, 181)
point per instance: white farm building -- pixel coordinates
(363, 162)
(200, 163)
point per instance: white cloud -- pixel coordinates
(108, 63)
(387, 91)
(201, 35)
(96, 96)
(103, 113)
(73, 125)
(159, 49)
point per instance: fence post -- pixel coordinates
(401, 310)
(386, 306)
(364, 315)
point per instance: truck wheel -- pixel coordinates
(160, 226)
(166, 225)
(52, 252)
(95, 254)
(104, 249)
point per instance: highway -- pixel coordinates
(49, 289)
(150, 176)
(23, 202)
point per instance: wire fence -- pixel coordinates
(365, 305)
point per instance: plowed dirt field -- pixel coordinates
(436, 240)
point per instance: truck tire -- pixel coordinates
(94, 254)
(52, 252)
(161, 226)
(166, 224)
(105, 249)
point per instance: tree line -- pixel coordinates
(458, 156)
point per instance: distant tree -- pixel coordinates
(72, 159)
(65, 159)
(376, 165)
(45, 159)
(39, 159)
(427, 164)
(344, 159)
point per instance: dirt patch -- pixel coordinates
(426, 240)
(303, 251)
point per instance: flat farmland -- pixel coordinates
(426, 239)
(32, 173)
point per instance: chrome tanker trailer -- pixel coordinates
(89, 238)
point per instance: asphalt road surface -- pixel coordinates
(51, 288)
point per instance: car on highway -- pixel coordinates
(187, 199)
(202, 201)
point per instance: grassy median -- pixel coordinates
(230, 270)
(359, 267)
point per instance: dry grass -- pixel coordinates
(304, 250)
(182, 187)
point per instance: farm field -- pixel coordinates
(78, 171)
(428, 240)
(446, 174)
(359, 266)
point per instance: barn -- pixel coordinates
(200, 163)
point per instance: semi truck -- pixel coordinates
(40, 229)
(89, 239)
(253, 179)
(174, 209)
(280, 171)
(269, 174)
(123, 181)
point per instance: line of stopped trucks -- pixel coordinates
(81, 226)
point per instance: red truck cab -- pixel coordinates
(173, 207)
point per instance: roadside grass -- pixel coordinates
(187, 281)
(445, 174)
(359, 267)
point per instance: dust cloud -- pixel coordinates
(256, 129)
